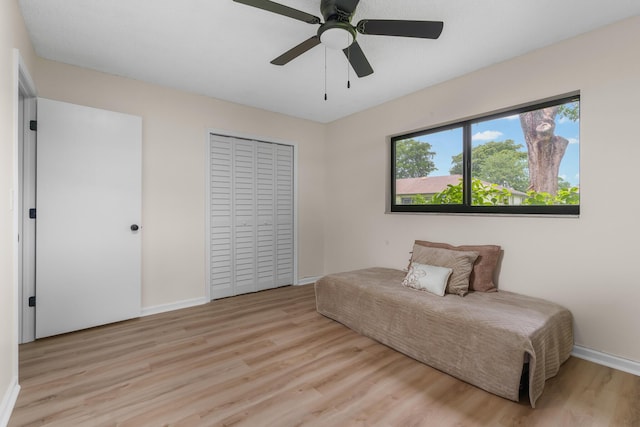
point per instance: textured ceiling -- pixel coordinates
(222, 49)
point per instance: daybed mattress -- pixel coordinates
(481, 338)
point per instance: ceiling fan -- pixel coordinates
(337, 32)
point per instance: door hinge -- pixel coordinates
(32, 213)
(33, 125)
(32, 301)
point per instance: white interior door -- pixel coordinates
(88, 217)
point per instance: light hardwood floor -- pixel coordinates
(268, 359)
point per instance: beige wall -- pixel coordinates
(173, 171)
(588, 264)
(12, 35)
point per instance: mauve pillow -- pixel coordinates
(481, 278)
(461, 262)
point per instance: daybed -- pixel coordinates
(483, 338)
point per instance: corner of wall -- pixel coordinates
(8, 402)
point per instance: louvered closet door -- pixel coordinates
(251, 222)
(266, 241)
(245, 197)
(284, 215)
(221, 219)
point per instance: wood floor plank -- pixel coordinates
(269, 359)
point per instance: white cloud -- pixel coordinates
(573, 140)
(487, 135)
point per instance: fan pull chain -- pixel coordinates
(325, 73)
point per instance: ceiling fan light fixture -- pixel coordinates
(337, 32)
(337, 35)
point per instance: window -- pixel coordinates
(521, 161)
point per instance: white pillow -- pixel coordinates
(428, 278)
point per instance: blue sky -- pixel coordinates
(449, 143)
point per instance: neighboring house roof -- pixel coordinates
(435, 184)
(426, 184)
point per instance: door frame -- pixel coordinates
(207, 197)
(24, 266)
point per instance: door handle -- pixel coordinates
(134, 227)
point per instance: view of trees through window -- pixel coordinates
(524, 158)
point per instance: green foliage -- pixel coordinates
(483, 194)
(497, 161)
(488, 194)
(414, 159)
(565, 196)
(452, 195)
(571, 111)
(563, 183)
(418, 199)
(507, 168)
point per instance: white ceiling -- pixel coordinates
(222, 49)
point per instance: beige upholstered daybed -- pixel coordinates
(483, 338)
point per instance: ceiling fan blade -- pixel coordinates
(281, 10)
(358, 61)
(296, 51)
(391, 27)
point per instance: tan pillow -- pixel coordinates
(481, 278)
(460, 261)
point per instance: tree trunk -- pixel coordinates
(545, 149)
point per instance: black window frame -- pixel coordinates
(466, 207)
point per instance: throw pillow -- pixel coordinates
(428, 278)
(461, 262)
(481, 278)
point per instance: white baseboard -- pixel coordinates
(8, 402)
(308, 280)
(163, 308)
(608, 360)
